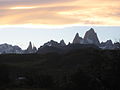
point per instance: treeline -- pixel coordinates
(85, 69)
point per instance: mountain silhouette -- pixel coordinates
(90, 39)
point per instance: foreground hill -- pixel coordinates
(87, 68)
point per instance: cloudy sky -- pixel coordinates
(60, 12)
(40, 15)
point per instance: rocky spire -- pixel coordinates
(69, 43)
(91, 37)
(29, 47)
(107, 45)
(34, 49)
(62, 43)
(77, 39)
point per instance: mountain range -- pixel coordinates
(90, 40)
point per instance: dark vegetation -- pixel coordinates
(83, 69)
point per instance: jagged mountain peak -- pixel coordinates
(77, 35)
(77, 39)
(51, 43)
(30, 49)
(107, 45)
(91, 30)
(109, 42)
(91, 37)
(34, 49)
(7, 48)
(62, 43)
(30, 46)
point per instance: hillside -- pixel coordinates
(77, 69)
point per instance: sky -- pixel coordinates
(39, 21)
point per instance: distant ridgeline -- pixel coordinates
(90, 40)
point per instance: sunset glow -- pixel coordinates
(60, 13)
(22, 7)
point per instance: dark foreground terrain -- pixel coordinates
(83, 69)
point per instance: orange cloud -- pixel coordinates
(63, 12)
